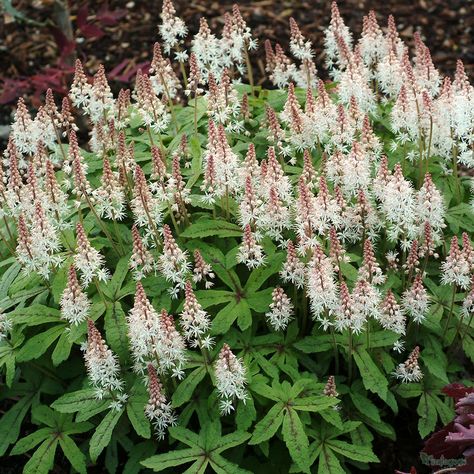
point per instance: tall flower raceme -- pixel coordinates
(103, 368)
(305, 237)
(230, 379)
(158, 410)
(280, 310)
(173, 263)
(75, 305)
(195, 321)
(409, 371)
(88, 260)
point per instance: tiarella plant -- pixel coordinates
(229, 278)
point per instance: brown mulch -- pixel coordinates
(447, 27)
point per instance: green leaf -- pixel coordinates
(39, 344)
(206, 227)
(222, 466)
(177, 457)
(103, 433)
(436, 365)
(10, 423)
(329, 463)
(365, 406)
(209, 298)
(62, 350)
(34, 315)
(186, 436)
(42, 460)
(121, 270)
(29, 442)
(116, 330)
(373, 379)
(260, 301)
(230, 441)
(82, 400)
(269, 425)
(428, 416)
(244, 315)
(351, 451)
(186, 388)
(314, 403)
(136, 410)
(296, 440)
(74, 455)
(261, 274)
(224, 319)
(245, 414)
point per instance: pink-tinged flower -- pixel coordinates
(202, 271)
(57, 199)
(101, 100)
(370, 269)
(150, 107)
(141, 260)
(230, 379)
(173, 263)
(321, 287)
(336, 29)
(345, 314)
(170, 346)
(88, 260)
(158, 410)
(143, 330)
(399, 208)
(250, 206)
(5, 326)
(372, 44)
(172, 29)
(366, 298)
(102, 365)
(207, 49)
(299, 46)
(78, 167)
(74, 303)
(431, 208)
(195, 321)
(293, 270)
(467, 310)
(409, 371)
(330, 387)
(415, 300)
(109, 196)
(280, 311)
(145, 207)
(455, 269)
(165, 82)
(23, 132)
(250, 253)
(391, 316)
(81, 91)
(467, 250)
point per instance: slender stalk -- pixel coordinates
(101, 224)
(349, 361)
(450, 311)
(249, 70)
(336, 352)
(117, 233)
(195, 115)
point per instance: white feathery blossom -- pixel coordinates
(455, 269)
(321, 287)
(195, 321)
(293, 270)
(5, 326)
(75, 305)
(158, 410)
(250, 253)
(415, 301)
(409, 371)
(173, 264)
(230, 379)
(88, 260)
(172, 29)
(280, 310)
(102, 366)
(391, 316)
